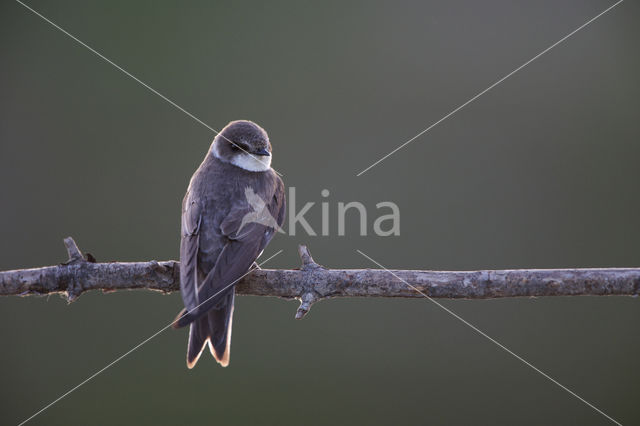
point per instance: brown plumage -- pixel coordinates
(223, 234)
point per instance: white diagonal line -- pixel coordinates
(136, 347)
(145, 85)
(489, 88)
(500, 345)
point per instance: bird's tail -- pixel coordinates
(213, 329)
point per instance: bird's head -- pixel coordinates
(243, 144)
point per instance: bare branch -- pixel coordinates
(312, 282)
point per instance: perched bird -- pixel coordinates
(223, 234)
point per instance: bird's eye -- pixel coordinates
(235, 147)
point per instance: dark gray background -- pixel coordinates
(541, 172)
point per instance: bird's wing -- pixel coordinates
(244, 245)
(279, 203)
(189, 244)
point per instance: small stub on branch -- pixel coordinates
(306, 301)
(74, 286)
(308, 295)
(307, 260)
(75, 255)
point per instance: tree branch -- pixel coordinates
(312, 282)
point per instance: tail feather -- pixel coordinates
(220, 323)
(198, 338)
(213, 329)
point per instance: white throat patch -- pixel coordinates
(244, 160)
(252, 163)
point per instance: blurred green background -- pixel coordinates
(541, 172)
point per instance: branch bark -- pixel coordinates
(313, 282)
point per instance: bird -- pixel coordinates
(234, 204)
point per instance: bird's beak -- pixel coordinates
(262, 152)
